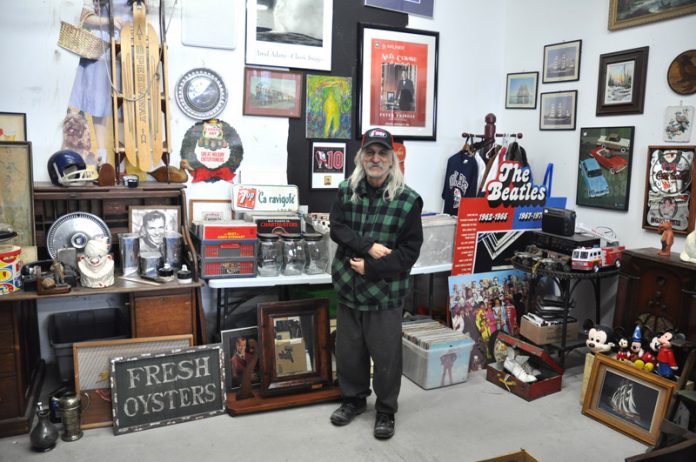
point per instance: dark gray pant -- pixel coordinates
(359, 336)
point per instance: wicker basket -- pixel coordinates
(80, 41)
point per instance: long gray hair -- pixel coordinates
(395, 179)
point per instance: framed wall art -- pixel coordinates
(419, 7)
(329, 107)
(210, 209)
(628, 14)
(521, 90)
(670, 188)
(622, 82)
(604, 167)
(17, 202)
(398, 81)
(289, 33)
(328, 165)
(295, 345)
(678, 123)
(272, 93)
(627, 399)
(557, 110)
(237, 346)
(13, 126)
(562, 62)
(152, 223)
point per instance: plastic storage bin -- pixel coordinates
(429, 368)
(64, 329)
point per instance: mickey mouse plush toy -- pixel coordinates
(600, 339)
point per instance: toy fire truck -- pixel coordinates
(595, 258)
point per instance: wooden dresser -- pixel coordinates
(664, 287)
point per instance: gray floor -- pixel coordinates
(464, 422)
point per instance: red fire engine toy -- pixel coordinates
(595, 258)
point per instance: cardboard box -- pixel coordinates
(543, 335)
(549, 381)
(232, 229)
(428, 368)
(517, 456)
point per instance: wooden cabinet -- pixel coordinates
(659, 290)
(165, 309)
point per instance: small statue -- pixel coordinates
(623, 353)
(58, 271)
(96, 265)
(600, 339)
(636, 343)
(666, 239)
(646, 358)
(666, 364)
(689, 252)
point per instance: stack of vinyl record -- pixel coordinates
(429, 334)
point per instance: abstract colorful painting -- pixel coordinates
(329, 107)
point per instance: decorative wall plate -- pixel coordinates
(201, 94)
(681, 74)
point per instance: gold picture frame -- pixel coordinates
(13, 126)
(628, 14)
(627, 399)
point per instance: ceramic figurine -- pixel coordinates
(666, 364)
(689, 252)
(96, 265)
(623, 353)
(646, 357)
(635, 346)
(666, 239)
(600, 339)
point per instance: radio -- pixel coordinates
(558, 221)
(564, 244)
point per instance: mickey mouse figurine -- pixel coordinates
(600, 339)
(666, 364)
(623, 353)
(634, 348)
(646, 358)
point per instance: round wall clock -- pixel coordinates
(201, 94)
(681, 74)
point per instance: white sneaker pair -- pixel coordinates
(520, 367)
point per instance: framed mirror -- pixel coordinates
(294, 337)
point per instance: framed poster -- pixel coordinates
(272, 93)
(521, 90)
(289, 33)
(624, 14)
(562, 62)
(328, 165)
(329, 108)
(152, 223)
(604, 167)
(13, 126)
(622, 82)
(398, 81)
(627, 399)
(419, 7)
(17, 202)
(669, 188)
(557, 110)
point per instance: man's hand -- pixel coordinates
(378, 251)
(358, 265)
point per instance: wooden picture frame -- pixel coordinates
(558, 110)
(627, 399)
(621, 84)
(17, 202)
(328, 165)
(295, 350)
(623, 14)
(13, 126)
(610, 150)
(248, 338)
(92, 364)
(210, 209)
(670, 187)
(521, 90)
(562, 62)
(272, 93)
(301, 44)
(398, 73)
(171, 223)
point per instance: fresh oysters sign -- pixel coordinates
(153, 390)
(265, 198)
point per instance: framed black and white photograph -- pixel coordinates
(328, 165)
(289, 33)
(621, 87)
(152, 223)
(521, 90)
(558, 110)
(238, 347)
(418, 7)
(562, 62)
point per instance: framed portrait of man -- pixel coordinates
(152, 224)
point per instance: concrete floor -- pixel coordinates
(464, 422)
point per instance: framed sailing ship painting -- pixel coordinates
(627, 399)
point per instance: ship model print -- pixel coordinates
(622, 401)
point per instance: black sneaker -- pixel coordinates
(347, 412)
(384, 426)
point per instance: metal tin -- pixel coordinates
(129, 246)
(150, 263)
(70, 407)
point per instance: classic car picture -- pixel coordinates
(612, 162)
(594, 179)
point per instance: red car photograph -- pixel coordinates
(609, 160)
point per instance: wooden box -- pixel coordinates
(548, 382)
